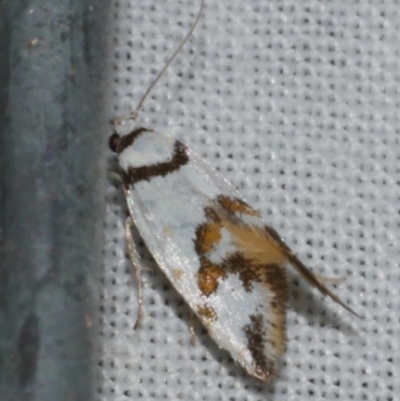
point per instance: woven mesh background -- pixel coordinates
(297, 104)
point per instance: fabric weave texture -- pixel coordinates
(297, 104)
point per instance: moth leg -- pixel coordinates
(114, 176)
(331, 280)
(191, 329)
(136, 264)
(146, 268)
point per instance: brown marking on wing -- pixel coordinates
(256, 339)
(145, 173)
(257, 261)
(128, 139)
(167, 231)
(177, 273)
(236, 263)
(208, 276)
(265, 246)
(207, 236)
(236, 205)
(208, 314)
(273, 278)
(260, 259)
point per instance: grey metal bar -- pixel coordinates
(52, 56)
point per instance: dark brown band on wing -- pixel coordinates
(128, 139)
(136, 174)
(256, 339)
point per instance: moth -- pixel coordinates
(215, 249)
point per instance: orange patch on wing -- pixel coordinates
(235, 205)
(208, 276)
(256, 244)
(208, 314)
(208, 234)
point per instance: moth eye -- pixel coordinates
(114, 141)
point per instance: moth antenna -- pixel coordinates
(135, 113)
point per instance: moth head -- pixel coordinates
(118, 143)
(114, 141)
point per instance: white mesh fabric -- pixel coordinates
(297, 104)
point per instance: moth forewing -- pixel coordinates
(214, 248)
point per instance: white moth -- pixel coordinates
(215, 249)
